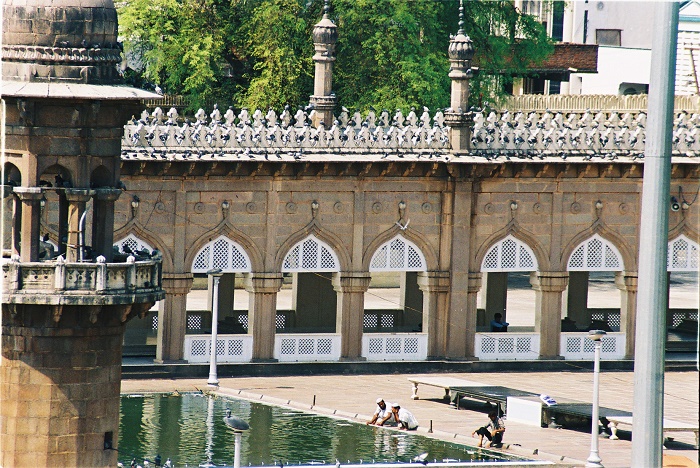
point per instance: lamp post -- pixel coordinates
(213, 379)
(238, 425)
(594, 460)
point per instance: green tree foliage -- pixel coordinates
(258, 53)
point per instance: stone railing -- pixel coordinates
(589, 135)
(296, 347)
(100, 282)
(229, 348)
(507, 346)
(578, 346)
(595, 102)
(395, 346)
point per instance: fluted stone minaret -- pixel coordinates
(323, 100)
(63, 317)
(458, 117)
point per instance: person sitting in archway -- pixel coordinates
(498, 325)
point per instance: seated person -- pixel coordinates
(498, 325)
(382, 415)
(493, 431)
(404, 418)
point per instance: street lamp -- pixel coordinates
(216, 274)
(594, 460)
(238, 425)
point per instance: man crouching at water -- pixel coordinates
(382, 415)
(493, 431)
(404, 418)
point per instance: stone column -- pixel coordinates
(411, 298)
(30, 198)
(473, 287)
(325, 36)
(77, 198)
(16, 229)
(172, 317)
(496, 295)
(350, 289)
(549, 286)
(103, 221)
(577, 298)
(437, 321)
(626, 282)
(262, 312)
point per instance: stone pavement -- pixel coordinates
(353, 396)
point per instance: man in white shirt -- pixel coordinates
(404, 418)
(382, 414)
(493, 431)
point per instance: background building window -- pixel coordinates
(608, 37)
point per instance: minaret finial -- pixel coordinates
(461, 18)
(326, 8)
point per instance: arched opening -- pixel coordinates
(100, 177)
(592, 300)
(506, 288)
(231, 258)
(683, 299)
(311, 264)
(12, 177)
(393, 301)
(54, 216)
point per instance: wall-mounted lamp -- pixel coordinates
(42, 202)
(135, 200)
(225, 205)
(675, 206)
(598, 205)
(402, 205)
(513, 205)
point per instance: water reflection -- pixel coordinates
(189, 429)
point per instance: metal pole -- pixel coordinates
(213, 379)
(237, 451)
(652, 301)
(594, 460)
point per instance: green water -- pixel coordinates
(189, 429)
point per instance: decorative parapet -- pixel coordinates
(585, 134)
(100, 283)
(582, 102)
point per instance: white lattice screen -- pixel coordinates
(222, 253)
(595, 254)
(398, 254)
(311, 254)
(510, 254)
(132, 243)
(683, 254)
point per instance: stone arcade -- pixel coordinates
(454, 201)
(63, 318)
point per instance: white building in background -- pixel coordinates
(622, 31)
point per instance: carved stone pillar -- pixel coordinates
(549, 287)
(30, 199)
(262, 311)
(350, 289)
(626, 282)
(458, 118)
(473, 287)
(437, 322)
(77, 198)
(172, 317)
(103, 221)
(325, 36)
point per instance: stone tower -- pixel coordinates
(65, 299)
(325, 36)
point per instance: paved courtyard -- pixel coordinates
(352, 397)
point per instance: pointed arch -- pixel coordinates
(225, 229)
(595, 254)
(135, 228)
(409, 235)
(132, 243)
(509, 254)
(398, 254)
(609, 236)
(514, 231)
(683, 254)
(224, 254)
(310, 254)
(313, 229)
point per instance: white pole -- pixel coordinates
(213, 379)
(650, 336)
(594, 460)
(237, 451)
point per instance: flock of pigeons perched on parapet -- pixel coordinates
(495, 134)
